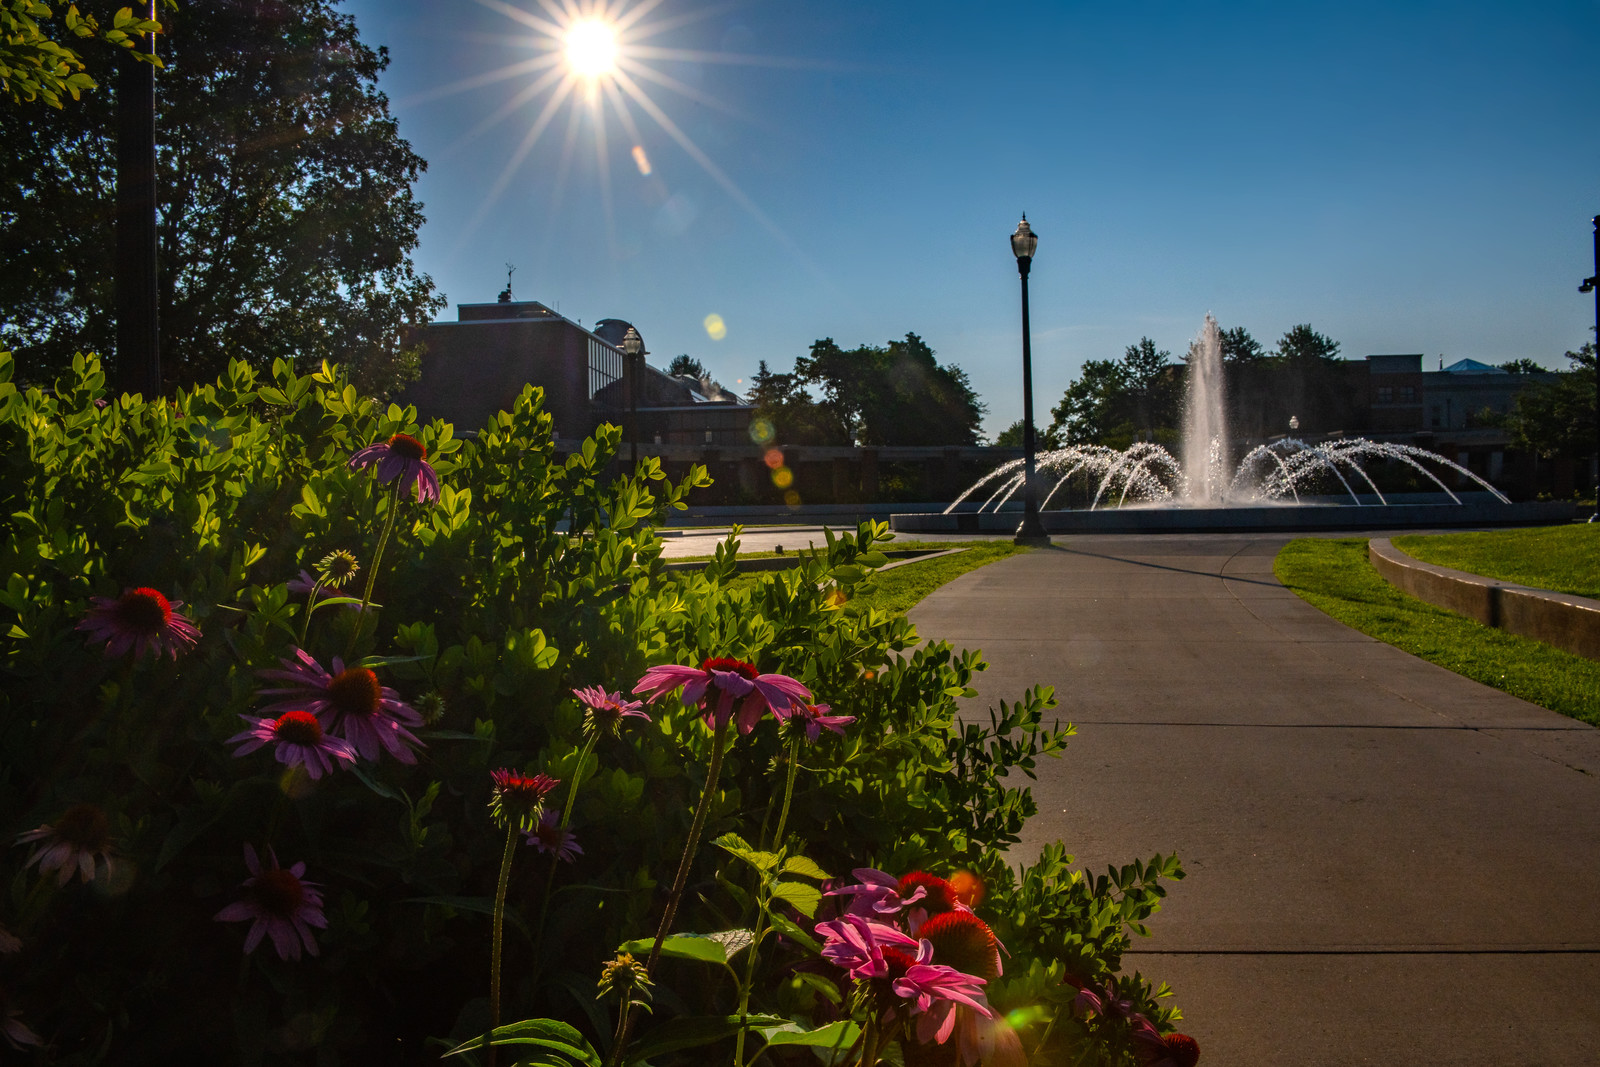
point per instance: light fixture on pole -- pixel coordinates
(1591, 284)
(1031, 532)
(633, 345)
(1294, 423)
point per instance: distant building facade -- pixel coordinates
(479, 364)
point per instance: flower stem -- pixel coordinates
(311, 604)
(499, 930)
(555, 858)
(761, 914)
(788, 792)
(377, 558)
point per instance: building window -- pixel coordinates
(1408, 394)
(1385, 394)
(605, 366)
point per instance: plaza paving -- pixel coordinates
(1388, 863)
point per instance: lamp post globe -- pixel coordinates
(1031, 532)
(633, 345)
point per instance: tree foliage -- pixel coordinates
(34, 66)
(1238, 346)
(286, 212)
(1114, 400)
(685, 365)
(1557, 418)
(1523, 365)
(1302, 344)
(898, 394)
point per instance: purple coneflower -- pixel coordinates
(139, 619)
(518, 798)
(718, 683)
(350, 703)
(298, 740)
(877, 894)
(858, 946)
(812, 718)
(549, 838)
(605, 711)
(13, 1029)
(74, 844)
(935, 992)
(401, 457)
(281, 903)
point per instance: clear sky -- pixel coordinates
(1405, 177)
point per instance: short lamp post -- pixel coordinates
(633, 345)
(1591, 284)
(1031, 532)
(1294, 423)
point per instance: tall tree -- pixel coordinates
(1557, 418)
(797, 418)
(287, 217)
(1524, 365)
(895, 395)
(685, 365)
(1303, 344)
(1239, 347)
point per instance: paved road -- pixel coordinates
(1388, 863)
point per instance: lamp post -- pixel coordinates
(1592, 284)
(1031, 532)
(633, 345)
(1294, 423)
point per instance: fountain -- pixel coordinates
(1145, 487)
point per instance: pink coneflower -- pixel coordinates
(401, 457)
(281, 903)
(139, 619)
(298, 740)
(605, 711)
(876, 894)
(350, 703)
(858, 945)
(518, 798)
(812, 719)
(13, 1029)
(935, 992)
(717, 684)
(962, 940)
(74, 844)
(549, 838)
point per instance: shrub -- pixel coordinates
(528, 577)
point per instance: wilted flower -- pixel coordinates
(280, 903)
(350, 703)
(74, 844)
(430, 706)
(811, 719)
(549, 838)
(626, 977)
(298, 741)
(337, 568)
(139, 619)
(1177, 1050)
(518, 799)
(717, 684)
(605, 711)
(858, 945)
(402, 457)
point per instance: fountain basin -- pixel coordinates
(1269, 518)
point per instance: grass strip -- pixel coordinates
(904, 587)
(1334, 576)
(1563, 558)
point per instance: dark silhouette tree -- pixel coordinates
(686, 366)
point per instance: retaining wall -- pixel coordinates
(1570, 623)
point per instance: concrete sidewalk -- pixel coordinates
(1388, 863)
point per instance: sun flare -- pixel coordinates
(591, 48)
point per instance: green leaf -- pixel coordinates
(803, 897)
(839, 1035)
(682, 947)
(794, 932)
(694, 1032)
(545, 1033)
(804, 867)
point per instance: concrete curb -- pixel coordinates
(1570, 623)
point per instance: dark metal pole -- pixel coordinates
(1594, 283)
(1031, 532)
(138, 367)
(633, 406)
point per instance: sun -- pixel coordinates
(591, 48)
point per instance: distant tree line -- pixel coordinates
(896, 394)
(1557, 418)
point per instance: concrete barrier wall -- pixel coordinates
(1570, 623)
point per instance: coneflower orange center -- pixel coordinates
(899, 962)
(84, 827)
(355, 692)
(963, 941)
(298, 727)
(731, 666)
(144, 610)
(407, 447)
(279, 892)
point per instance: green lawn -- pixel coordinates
(1563, 558)
(1334, 575)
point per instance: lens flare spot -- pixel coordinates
(792, 499)
(783, 478)
(591, 47)
(773, 459)
(641, 160)
(716, 329)
(969, 888)
(762, 431)
(837, 599)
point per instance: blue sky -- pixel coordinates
(1405, 177)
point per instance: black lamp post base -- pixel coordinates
(1031, 533)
